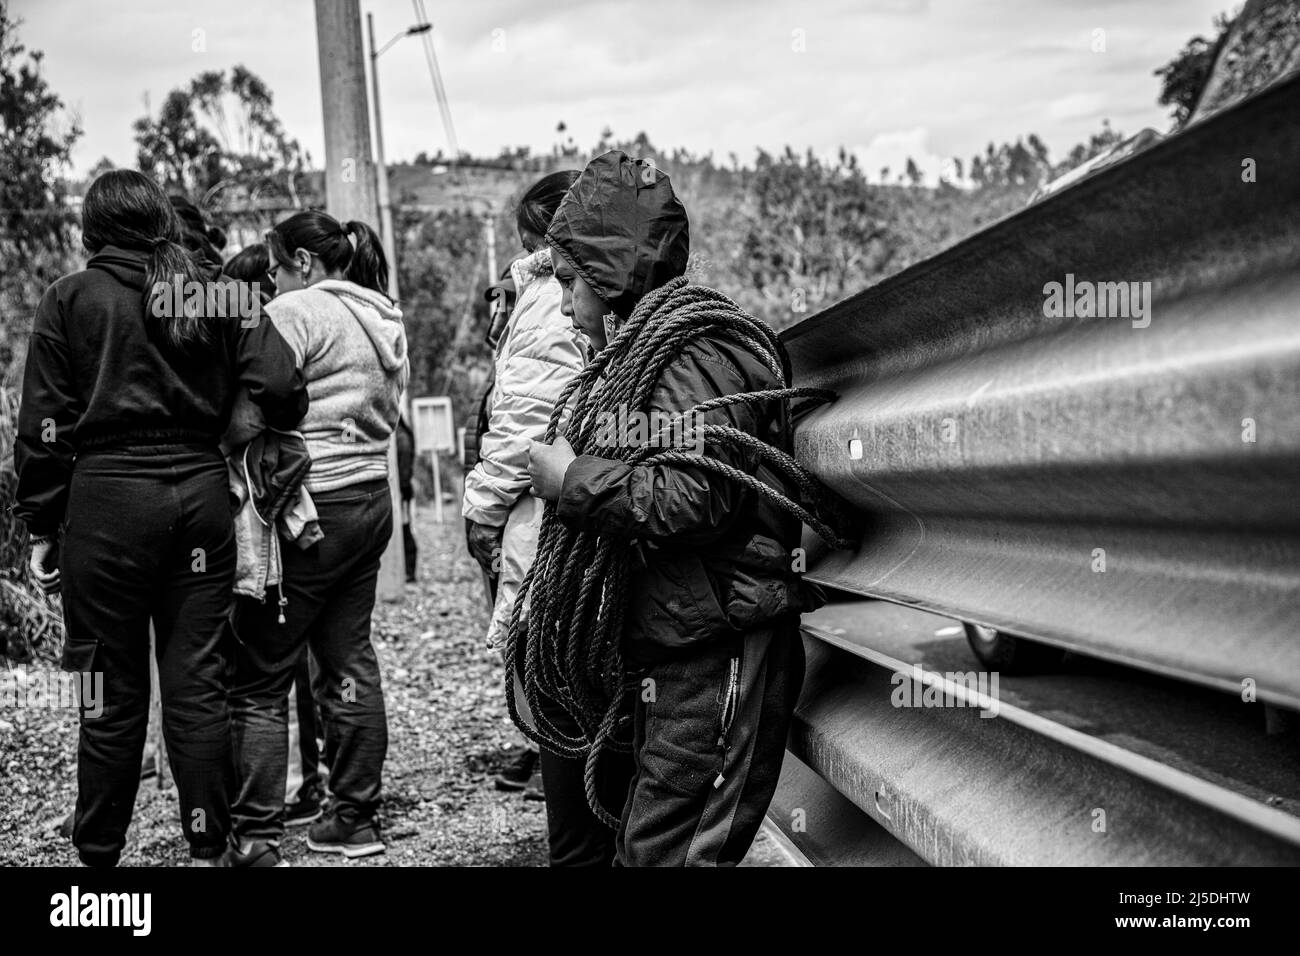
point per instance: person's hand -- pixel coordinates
(547, 465)
(45, 565)
(484, 544)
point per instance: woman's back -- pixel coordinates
(351, 346)
(132, 388)
(98, 377)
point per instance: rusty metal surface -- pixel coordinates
(1001, 455)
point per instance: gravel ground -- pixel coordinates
(448, 733)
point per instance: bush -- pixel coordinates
(31, 625)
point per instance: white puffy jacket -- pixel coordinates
(538, 354)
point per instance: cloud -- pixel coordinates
(893, 149)
(931, 78)
(1076, 106)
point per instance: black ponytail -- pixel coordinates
(538, 205)
(360, 258)
(127, 209)
(369, 265)
(180, 320)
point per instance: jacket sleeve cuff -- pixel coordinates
(583, 475)
(483, 503)
(489, 517)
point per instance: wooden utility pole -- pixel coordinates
(350, 190)
(350, 187)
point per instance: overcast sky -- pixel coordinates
(885, 78)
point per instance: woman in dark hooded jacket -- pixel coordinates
(126, 394)
(709, 638)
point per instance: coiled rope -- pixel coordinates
(576, 589)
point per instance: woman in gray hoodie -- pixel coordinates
(348, 339)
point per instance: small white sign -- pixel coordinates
(432, 422)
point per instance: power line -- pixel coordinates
(439, 90)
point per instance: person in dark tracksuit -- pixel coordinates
(252, 265)
(714, 605)
(125, 398)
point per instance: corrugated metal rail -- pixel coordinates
(1124, 488)
(1131, 492)
(1096, 765)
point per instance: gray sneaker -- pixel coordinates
(329, 834)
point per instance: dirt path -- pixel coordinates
(448, 732)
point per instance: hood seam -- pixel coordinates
(581, 270)
(337, 288)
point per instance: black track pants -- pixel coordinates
(148, 535)
(575, 835)
(331, 593)
(710, 735)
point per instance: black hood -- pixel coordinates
(127, 266)
(622, 228)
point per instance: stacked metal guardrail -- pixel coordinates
(1123, 485)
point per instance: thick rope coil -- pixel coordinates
(567, 647)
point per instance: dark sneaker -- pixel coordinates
(255, 853)
(329, 834)
(306, 809)
(518, 771)
(534, 790)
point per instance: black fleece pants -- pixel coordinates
(710, 733)
(331, 592)
(148, 534)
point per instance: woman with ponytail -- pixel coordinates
(126, 394)
(347, 338)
